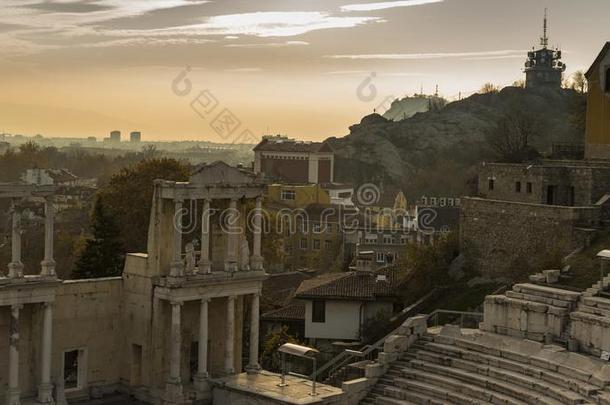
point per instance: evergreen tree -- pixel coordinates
(103, 254)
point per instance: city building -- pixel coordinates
(115, 136)
(544, 67)
(279, 158)
(597, 144)
(135, 136)
(435, 217)
(71, 190)
(386, 245)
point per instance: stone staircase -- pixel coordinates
(445, 369)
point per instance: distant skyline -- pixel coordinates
(295, 67)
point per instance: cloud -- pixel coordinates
(269, 44)
(261, 24)
(387, 4)
(423, 56)
(68, 7)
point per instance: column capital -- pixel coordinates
(48, 304)
(206, 300)
(175, 302)
(231, 297)
(16, 307)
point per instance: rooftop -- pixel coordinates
(352, 285)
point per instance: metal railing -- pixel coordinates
(367, 352)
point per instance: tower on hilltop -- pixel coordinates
(544, 67)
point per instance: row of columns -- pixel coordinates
(15, 267)
(174, 383)
(45, 389)
(256, 260)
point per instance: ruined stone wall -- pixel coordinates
(575, 183)
(87, 316)
(504, 239)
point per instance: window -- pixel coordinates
(528, 187)
(328, 244)
(443, 201)
(370, 239)
(380, 257)
(387, 239)
(288, 248)
(75, 369)
(518, 187)
(304, 243)
(433, 201)
(288, 195)
(328, 228)
(318, 312)
(71, 369)
(317, 228)
(608, 80)
(316, 244)
(490, 184)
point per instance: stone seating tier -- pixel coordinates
(484, 368)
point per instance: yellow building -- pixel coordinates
(598, 107)
(296, 195)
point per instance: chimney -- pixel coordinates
(364, 262)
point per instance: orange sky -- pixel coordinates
(85, 67)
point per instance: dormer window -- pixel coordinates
(608, 80)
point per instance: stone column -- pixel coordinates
(48, 263)
(45, 389)
(202, 355)
(13, 393)
(230, 338)
(256, 261)
(173, 388)
(231, 256)
(15, 267)
(204, 262)
(253, 365)
(177, 266)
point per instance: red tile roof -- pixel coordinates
(353, 285)
(294, 312)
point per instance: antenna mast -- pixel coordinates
(544, 41)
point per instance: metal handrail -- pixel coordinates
(346, 356)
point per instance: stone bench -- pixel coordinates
(461, 387)
(577, 366)
(489, 383)
(543, 387)
(524, 369)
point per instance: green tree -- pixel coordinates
(270, 357)
(128, 197)
(103, 254)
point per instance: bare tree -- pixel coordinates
(512, 134)
(489, 88)
(579, 82)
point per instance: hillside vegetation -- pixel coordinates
(436, 152)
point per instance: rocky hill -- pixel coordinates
(436, 152)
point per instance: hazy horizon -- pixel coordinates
(86, 67)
